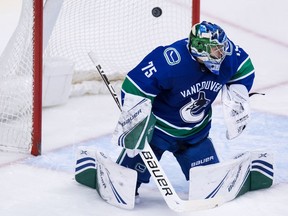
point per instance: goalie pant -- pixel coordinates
(188, 153)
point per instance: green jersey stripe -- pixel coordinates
(182, 132)
(244, 70)
(131, 87)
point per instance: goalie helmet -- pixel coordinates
(208, 43)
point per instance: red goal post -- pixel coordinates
(37, 78)
(121, 33)
(195, 11)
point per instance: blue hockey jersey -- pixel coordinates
(181, 89)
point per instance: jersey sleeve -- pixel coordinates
(245, 72)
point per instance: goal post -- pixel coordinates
(121, 33)
(37, 77)
(195, 11)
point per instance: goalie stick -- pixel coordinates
(167, 190)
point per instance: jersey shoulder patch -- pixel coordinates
(172, 56)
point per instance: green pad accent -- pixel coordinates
(255, 181)
(260, 181)
(246, 187)
(134, 135)
(87, 178)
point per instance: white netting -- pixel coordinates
(16, 86)
(120, 32)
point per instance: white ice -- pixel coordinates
(45, 185)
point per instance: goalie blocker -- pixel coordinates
(116, 184)
(136, 123)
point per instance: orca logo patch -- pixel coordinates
(190, 111)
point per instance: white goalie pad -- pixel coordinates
(115, 184)
(230, 179)
(236, 108)
(222, 179)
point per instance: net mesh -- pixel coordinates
(121, 33)
(16, 71)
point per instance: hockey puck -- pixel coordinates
(156, 11)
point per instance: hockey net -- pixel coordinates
(121, 33)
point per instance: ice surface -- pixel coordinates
(45, 185)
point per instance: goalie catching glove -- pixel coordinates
(236, 108)
(135, 124)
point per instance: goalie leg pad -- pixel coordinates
(262, 173)
(85, 170)
(230, 179)
(115, 183)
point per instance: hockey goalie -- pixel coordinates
(167, 106)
